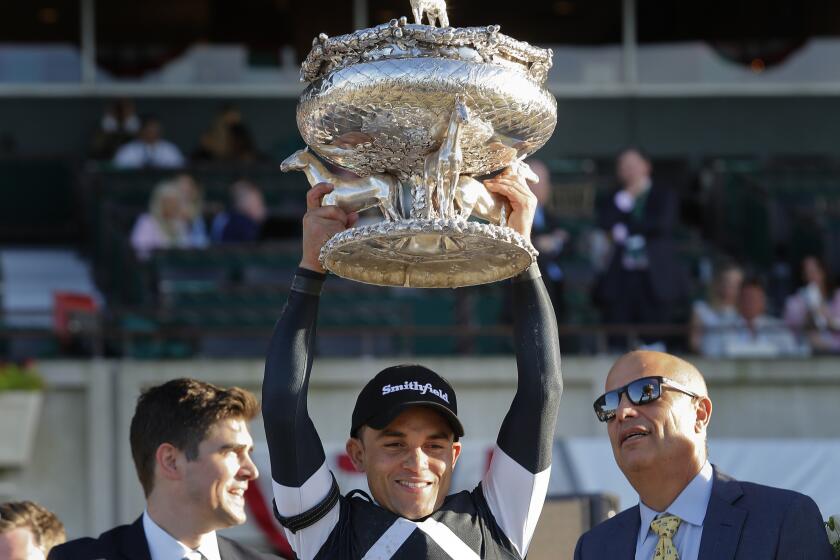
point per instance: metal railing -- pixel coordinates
(106, 332)
(120, 331)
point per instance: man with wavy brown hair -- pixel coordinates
(28, 531)
(192, 450)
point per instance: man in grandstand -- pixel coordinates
(405, 433)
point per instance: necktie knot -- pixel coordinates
(194, 555)
(666, 527)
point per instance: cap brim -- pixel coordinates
(381, 421)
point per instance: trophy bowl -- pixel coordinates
(417, 112)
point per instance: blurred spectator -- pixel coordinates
(548, 238)
(149, 149)
(242, 146)
(710, 321)
(761, 335)
(28, 531)
(166, 225)
(242, 223)
(815, 307)
(192, 199)
(643, 279)
(215, 144)
(228, 139)
(118, 126)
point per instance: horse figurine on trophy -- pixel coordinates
(435, 10)
(352, 195)
(461, 196)
(442, 168)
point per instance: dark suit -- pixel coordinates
(656, 223)
(128, 542)
(744, 521)
(645, 295)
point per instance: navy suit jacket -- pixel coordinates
(744, 521)
(128, 542)
(667, 276)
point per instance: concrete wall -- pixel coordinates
(696, 127)
(82, 466)
(72, 466)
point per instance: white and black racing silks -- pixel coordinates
(495, 521)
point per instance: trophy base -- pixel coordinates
(418, 253)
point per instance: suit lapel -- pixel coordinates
(624, 543)
(724, 522)
(133, 544)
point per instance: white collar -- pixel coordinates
(163, 546)
(690, 505)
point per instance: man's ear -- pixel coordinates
(703, 410)
(356, 451)
(456, 452)
(169, 461)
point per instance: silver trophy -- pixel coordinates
(423, 110)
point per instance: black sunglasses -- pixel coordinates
(641, 391)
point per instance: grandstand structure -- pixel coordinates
(736, 117)
(736, 104)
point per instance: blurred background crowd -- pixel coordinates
(689, 202)
(732, 256)
(716, 233)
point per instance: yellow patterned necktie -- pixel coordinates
(666, 527)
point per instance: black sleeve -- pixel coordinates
(527, 432)
(293, 444)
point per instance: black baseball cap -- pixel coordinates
(397, 388)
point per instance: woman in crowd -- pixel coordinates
(711, 320)
(166, 225)
(814, 309)
(193, 201)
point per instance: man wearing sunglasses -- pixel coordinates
(656, 409)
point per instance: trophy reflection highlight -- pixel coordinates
(419, 112)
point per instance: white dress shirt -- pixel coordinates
(162, 546)
(138, 154)
(718, 324)
(690, 506)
